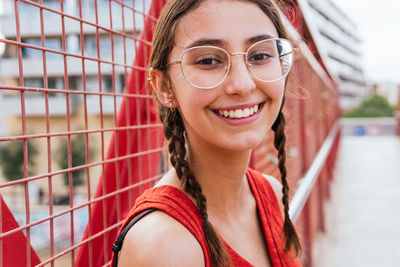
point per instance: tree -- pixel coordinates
(12, 159)
(374, 106)
(78, 158)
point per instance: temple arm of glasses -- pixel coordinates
(174, 63)
(295, 50)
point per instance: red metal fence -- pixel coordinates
(82, 147)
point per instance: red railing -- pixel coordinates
(62, 74)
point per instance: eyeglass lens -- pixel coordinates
(207, 66)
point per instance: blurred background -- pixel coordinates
(80, 138)
(361, 213)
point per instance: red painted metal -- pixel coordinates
(115, 176)
(14, 246)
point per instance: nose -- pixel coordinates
(239, 80)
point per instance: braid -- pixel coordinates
(292, 240)
(175, 133)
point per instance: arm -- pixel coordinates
(159, 240)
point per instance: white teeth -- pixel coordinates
(246, 112)
(239, 113)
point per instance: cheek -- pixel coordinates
(193, 101)
(275, 94)
(176, 77)
(275, 91)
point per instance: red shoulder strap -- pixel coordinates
(271, 219)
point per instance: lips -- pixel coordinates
(239, 113)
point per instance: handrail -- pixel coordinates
(306, 184)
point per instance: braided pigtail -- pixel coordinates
(292, 240)
(175, 133)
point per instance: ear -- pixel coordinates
(162, 87)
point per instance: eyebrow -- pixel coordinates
(200, 42)
(257, 38)
(221, 42)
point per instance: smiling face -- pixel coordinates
(237, 114)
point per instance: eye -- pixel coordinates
(259, 57)
(208, 61)
(205, 58)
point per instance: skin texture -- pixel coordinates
(218, 151)
(240, 88)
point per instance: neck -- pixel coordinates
(222, 177)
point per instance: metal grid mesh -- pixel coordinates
(63, 73)
(87, 147)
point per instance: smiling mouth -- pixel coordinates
(239, 113)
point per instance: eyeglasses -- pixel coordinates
(206, 67)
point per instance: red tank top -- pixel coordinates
(176, 204)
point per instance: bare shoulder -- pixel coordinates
(277, 187)
(159, 240)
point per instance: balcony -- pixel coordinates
(35, 105)
(29, 18)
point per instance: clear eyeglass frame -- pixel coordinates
(229, 55)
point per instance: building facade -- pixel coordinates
(338, 44)
(84, 51)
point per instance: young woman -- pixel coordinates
(218, 70)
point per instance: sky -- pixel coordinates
(378, 25)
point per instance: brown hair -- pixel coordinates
(163, 43)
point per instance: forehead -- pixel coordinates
(231, 21)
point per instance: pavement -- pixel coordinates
(363, 214)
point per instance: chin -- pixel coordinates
(244, 145)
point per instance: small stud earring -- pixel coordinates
(169, 103)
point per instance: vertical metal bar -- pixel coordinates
(101, 138)
(308, 232)
(104, 190)
(85, 115)
(116, 147)
(317, 140)
(66, 86)
(128, 113)
(305, 161)
(23, 121)
(138, 102)
(302, 132)
(46, 97)
(148, 104)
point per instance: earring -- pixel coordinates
(169, 103)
